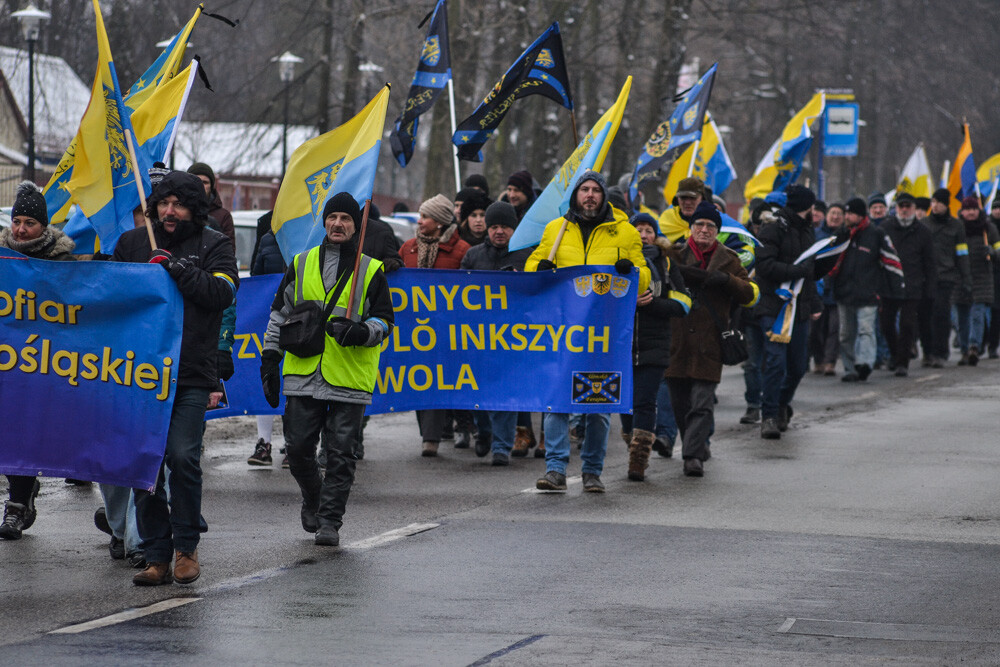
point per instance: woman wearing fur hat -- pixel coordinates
(29, 234)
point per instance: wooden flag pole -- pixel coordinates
(138, 185)
(555, 246)
(572, 120)
(357, 257)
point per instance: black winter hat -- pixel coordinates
(707, 211)
(820, 206)
(478, 181)
(188, 189)
(616, 197)
(29, 201)
(202, 169)
(343, 203)
(876, 198)
(856, 206)
(923, 203)
(501, 213)
(905, 198)
(523, 181)
(473, 201)
(799, 198)
(942, 195)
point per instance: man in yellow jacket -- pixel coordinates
(591, 232)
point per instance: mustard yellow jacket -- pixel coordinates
(610, 241)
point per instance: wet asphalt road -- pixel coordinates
(868, 534)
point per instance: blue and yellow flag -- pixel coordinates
(342, 160)
(782, 163)
(432, 75)
(57, 199)
(712, 165)
(683, 128)
(540, 70)
(988, 172)
(962, 180)
(589, 155)
(103, 179)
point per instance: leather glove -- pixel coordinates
(270, 376)
(224, 360)
(161, 257)
(624, 266)
(545, 265)
(716, 278)
(693, 275)
(804, 270)
(347, 332)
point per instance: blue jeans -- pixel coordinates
(165, 527)
(857, 335)
(595, 442)
(666, 424)
(119, 503)
(752, 366)
(504, 430)
(971, 324)
(784, 366)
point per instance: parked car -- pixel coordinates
(5, 217)
(245, 224)
(404, 228)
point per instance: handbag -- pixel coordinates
(732, 343)
(304, 332)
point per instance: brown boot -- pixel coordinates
(638, 454)
(540, 450)
(155, 574)
(523, 441)
(430, 448)
(186, 568)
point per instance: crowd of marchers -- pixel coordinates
(888, 288)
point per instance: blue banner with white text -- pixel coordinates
(479, 340)
(88, 360)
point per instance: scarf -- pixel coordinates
(37, 247)
(975, 227)
(702, 257)
(427, 250)
(861, 226)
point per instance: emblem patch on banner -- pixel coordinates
(619, 286)
(582, 286)
(602, 283)
(597, 387)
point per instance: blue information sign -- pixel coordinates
(840, 129)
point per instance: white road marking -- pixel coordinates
(392, 535)
(787, 625)
(127, 615)
(570, 481)
(928, 378)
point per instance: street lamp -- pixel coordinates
(31, 18)
(286, 71)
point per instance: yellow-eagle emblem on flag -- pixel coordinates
(582, 285)
(619, 286)
(432, 51)
(602, 283)
(545, 59)
(691, 116)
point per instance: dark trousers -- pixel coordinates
(900, 337)
(784, 366)
(432, 424)
(340, 424)
(941, 319)
(165, 526)
(993, 331)
(694, 405)
(645, 385)
(20, 487)
(824, 336)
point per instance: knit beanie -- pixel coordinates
(942, 195)
(876, 198)
(905, 198)
(439, 208)
(707, 211)
(29, 201)
(523, 181)
(501, 213)
(971, 202)
(856, 206)
(645, 219)
(474, 200)
(202, 169)
(478, 181)
(343, 203)
(800, 198)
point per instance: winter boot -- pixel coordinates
(261, 454)
(638, 454)
(523, 441)
(13, 521)
(627, 437)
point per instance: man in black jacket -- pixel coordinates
(202, 263)
(784, 238)
(915, 248)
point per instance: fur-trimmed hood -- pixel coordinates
(52, 244)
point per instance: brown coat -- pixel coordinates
(694, 339)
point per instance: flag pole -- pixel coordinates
(454, 128)
(572, 120)
(138, 185)
(694, 156)
(357, 256)
(559, 236)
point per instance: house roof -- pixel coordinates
(237, 149)
(60, 97)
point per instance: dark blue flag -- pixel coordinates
(540, 70)
(432, 75)
(674, 134)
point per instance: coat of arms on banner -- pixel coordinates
(619, 286)
(602, 283)
(599, 387)
(582, 285)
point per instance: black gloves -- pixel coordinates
(545, 265)
(270, 376)
(804, 270)
(347, 332)
(624, 266)
(965, 294)
(693, 276)
(716, 278)
(173, 266)
(225, 362)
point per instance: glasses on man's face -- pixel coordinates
(702, 225)
(904, 205)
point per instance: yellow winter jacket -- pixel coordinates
(610, 241)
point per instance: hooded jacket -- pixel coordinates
(784, 236)
(611, 239)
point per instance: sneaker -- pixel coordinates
(863, 371)
(484, 443)
(284, 463)
(664, 448)
(463, 439)
(552, 481)
(261, 454)
(592, 483)
(751, 416)
(769, 429)
(500, 459)
(694, 467)
(117, 548)
(13, 521)
(327, 537)
(101, 520)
